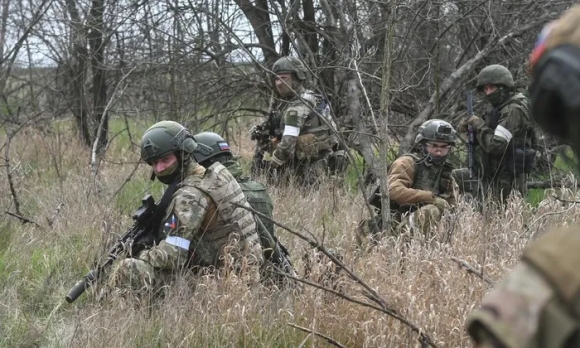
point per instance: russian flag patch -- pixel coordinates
(224, 146)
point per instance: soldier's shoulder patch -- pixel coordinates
(171, 224)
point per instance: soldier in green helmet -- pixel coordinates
(202, 226)
(538, 304)
(420, 184)
(212, 148)
(306, 144)
(504, 138)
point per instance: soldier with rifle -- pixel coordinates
(299, 133)
(538, 304)
(503, 140)
(203, 224)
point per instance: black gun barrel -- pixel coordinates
(82, 285)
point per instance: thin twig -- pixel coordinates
(315, 244)
(424, 337)
(369, 292)
(10, 179)
(470, 269)
(23, 219)
(328, 339)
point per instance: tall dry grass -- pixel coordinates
(38, 264)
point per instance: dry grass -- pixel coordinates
(419, 280)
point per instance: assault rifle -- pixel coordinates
(267, 131)
(137, 238)
(470, 139)
(265, 135)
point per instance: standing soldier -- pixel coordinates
(504, 138)
(420, 184)
(538, 303)
(305, 147)
(202, 226)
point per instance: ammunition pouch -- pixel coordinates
(309, 146)
(522, 161)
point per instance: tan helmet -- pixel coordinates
(290, 65)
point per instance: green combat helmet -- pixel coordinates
(290, 65)
(495, 75)
(210, 145)
(164, 138)
(436, 130)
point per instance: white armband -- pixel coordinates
(178, 242)
(291, 131)
(503, 133)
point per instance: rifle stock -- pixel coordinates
(136, 238)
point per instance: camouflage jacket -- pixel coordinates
(504, 128)
(305, 136)
(413, 182)
(202, 227)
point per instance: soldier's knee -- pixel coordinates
(430, 212)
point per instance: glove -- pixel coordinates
(474, 121)
(441, 204)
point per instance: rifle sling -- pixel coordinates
(164, 204)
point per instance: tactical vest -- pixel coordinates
(434, 178)
(233, 222)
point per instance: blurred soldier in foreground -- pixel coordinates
(202, 228)
(420, 184)
(213, 148)
(538, 303)
(299, 132)
(504, 138)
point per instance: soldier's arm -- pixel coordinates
(294, 118)
(189, 208)
(495, 141)
(400, 179)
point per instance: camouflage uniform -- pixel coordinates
(501, 136)
(214, 149)
(202, 228)
(538, 303)
(420, 188)
(307, 142)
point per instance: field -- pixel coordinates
(41, 260)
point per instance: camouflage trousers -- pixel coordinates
(420, 220)
(305, 173)
(485, 189)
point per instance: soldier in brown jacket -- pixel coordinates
(420, 184)
(538, 304)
